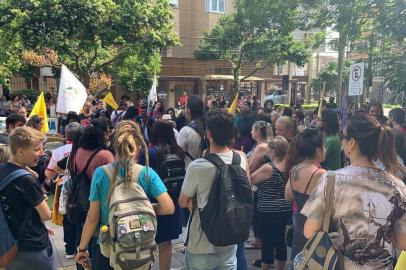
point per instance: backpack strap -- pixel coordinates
(137, 169)
(215, 159)
(329, 198)
(8, 180)
(90, 160)
(236, 159)
(11, 177)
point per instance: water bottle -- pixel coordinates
(105, 240)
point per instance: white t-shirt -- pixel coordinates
(58, 154)
(198, 181)
(189, 140)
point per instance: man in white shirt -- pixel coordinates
(190, 136)
(200, 253)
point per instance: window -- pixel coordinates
(174, 3)
(216, 6)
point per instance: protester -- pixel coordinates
(172, 113)
(285, 127)
(22, 111)
(23, 202)
(375, 110)
(397, 122)
(261, 132)
(4, 153)
(183, 100)
(369, 204)
(200, 253)
(274, 212)
(13, 121)
(157, 110)
(35, 122)
(87, 114)
(303, 170)
(169, 226)
(131, 114)
(330, 126)
(145, 121)
(190, 137)
(91, 153)
(128, 143)
(57, 165)
(118, 114)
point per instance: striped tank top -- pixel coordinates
(271, 193)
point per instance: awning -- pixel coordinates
(215, 77)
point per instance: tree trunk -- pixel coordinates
(310, 76)
(290, 94)
(342, 41)
(236, 82)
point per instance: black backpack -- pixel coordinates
(78, 197)
(172, 172)
(227, 216)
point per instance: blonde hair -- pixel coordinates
(280, 145)
(4, 153)
(128, 143)
(23, 137)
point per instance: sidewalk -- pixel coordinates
(177, 255)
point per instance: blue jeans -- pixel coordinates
(225, 260)
(241, 259)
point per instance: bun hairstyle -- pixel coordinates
(128, 142)
(264, 128)
(303, 146)
(375, 141)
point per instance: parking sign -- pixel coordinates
(356, 84)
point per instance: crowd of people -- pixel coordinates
(284, 152)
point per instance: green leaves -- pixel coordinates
(93, 35)
(258, 32)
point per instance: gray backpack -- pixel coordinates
(130, 241)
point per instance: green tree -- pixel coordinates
(92, 36)
(346, 17)
(259, 33)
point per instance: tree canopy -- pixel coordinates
(121, 38)
(259, 32)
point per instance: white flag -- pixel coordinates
(152, 92)
(152, 96)
(72, 95)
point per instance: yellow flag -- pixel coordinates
(40, 110)
(109, 99)
(233, 106)
(401, 264)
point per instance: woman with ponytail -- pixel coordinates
(303, 172)
(369, 203)
(261, 131)
(129, 143)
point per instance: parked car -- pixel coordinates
(277, 96)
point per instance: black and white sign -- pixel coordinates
(356, 83)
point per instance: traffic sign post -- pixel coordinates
(356, 81)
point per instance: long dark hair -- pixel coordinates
(331, 125)
(163, 138)
(94, 135)
(303, 146)
(131, 113)
(375, 141)
(75, 146)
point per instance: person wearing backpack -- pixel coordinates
(139, 182)
(190, 136)
(23, 206)
(212, 185)
(89, 156)
(171, 168)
